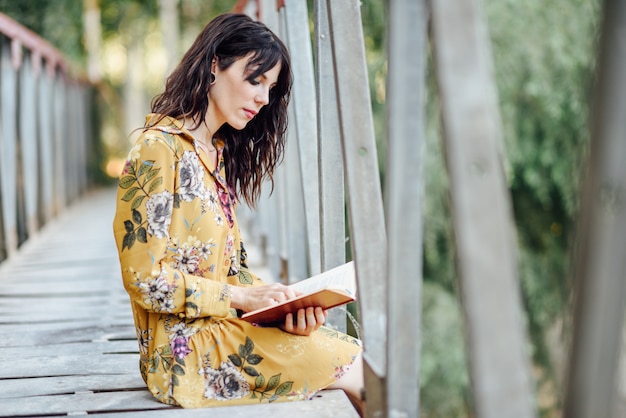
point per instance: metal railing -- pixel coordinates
(44, 130)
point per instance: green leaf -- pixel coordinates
(176, 200)
(137, 218)
(259, 381)
(126, 182)
(137, 202)
(191, 305)
(272, 398)
(150, 174)
(176, 369)
(130, 194)
(175, 380)
(180, 360)
(129, 240)
(284, 389)
(154, 364)
(245, 277)
(167, 362)
(142, 235)
(254, 359)
(188, 292)
(128, 226)
(250, 371)
(156, 183)
(236, 360)
(246, 350)
(145, 167)
(273, 382)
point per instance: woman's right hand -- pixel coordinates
(251, 298)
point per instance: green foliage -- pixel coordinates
(544, 75)
(443, 373)
(44, 17)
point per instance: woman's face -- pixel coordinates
(234, 99)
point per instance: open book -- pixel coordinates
(332, 288)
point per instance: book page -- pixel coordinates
(341, 277)
(332, 288)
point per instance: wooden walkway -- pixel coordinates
(67, 340)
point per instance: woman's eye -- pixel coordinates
(255, 81)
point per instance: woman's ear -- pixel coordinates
(214, 65)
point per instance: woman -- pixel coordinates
(214, 134)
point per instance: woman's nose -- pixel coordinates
(263, 97)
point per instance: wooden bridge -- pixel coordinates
(67, 342)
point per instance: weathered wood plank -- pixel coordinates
(65, 365)
(60, 385)
(328, 404)
(93, 347)
(78, 403)
(331, 404)
(365, 203)
(600, 288)
(481, 212)
(408, 33)
(54, 333)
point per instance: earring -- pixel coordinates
(212, 79)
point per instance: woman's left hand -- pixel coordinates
(305, 322)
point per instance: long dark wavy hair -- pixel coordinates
(251, 154)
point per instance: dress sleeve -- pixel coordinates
(145, 201)
(245, 276)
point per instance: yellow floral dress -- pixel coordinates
(179, 247)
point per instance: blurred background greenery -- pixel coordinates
(544, 60)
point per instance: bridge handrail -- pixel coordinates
(44, 122)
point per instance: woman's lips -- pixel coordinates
(250, 113)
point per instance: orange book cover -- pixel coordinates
(332, 288)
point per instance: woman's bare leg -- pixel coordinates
(352, 384)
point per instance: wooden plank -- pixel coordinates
(28, 140)
(331, 179)
(304, 126)
(55, 333)
(63, 385)
(73, 314)
(65, 365)
(408, 22)
(367, 224)
(44, 119)
(91, 347)
(481, 212)
(79, 403)
(327, 404)
(600, 288)
(8, 151)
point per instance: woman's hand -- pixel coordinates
(252, 298)
(305, 322)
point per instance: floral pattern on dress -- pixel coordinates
(159, 213)
(228, 381)
(191, 177)
(158, 293)
(190, 254)
(179, 335)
